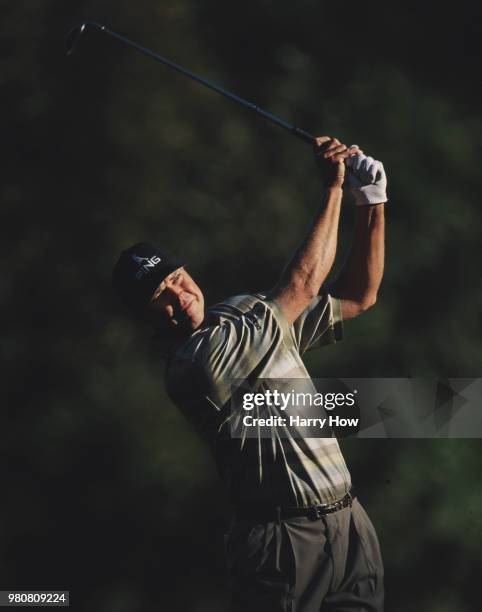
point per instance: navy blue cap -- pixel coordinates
(139, 271)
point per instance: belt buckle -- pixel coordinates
(315, 513)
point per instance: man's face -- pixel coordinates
(177, 302)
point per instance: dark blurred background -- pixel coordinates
(105, 490)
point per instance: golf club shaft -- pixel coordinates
(75, 34)
(245, 103)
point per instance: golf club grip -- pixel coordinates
(302, 135)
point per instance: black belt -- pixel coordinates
(273, 513)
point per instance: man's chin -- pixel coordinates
(190, 322)
(195, 322)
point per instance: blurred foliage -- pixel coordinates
(106, 490)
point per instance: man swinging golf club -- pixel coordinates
(299, 539)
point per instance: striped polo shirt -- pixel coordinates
(248, 337)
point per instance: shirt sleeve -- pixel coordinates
(240, 347)
(319, 324)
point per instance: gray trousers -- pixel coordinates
(331, 564)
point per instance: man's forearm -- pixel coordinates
(362, 273)
(313, 259)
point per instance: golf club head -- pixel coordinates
(74, 35)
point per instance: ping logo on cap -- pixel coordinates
(145, 264)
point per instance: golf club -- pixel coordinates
(76, 33)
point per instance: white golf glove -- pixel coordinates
(363, 181)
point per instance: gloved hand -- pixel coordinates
(363, 181)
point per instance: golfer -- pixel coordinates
(299, 539)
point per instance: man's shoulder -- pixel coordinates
(217, 316)
(233, 307)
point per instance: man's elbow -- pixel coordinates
(368, 302)
(352, 308)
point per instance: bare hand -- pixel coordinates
(330, 155)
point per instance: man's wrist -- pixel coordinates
(334, 187)
(370, 209)
(370, 204)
